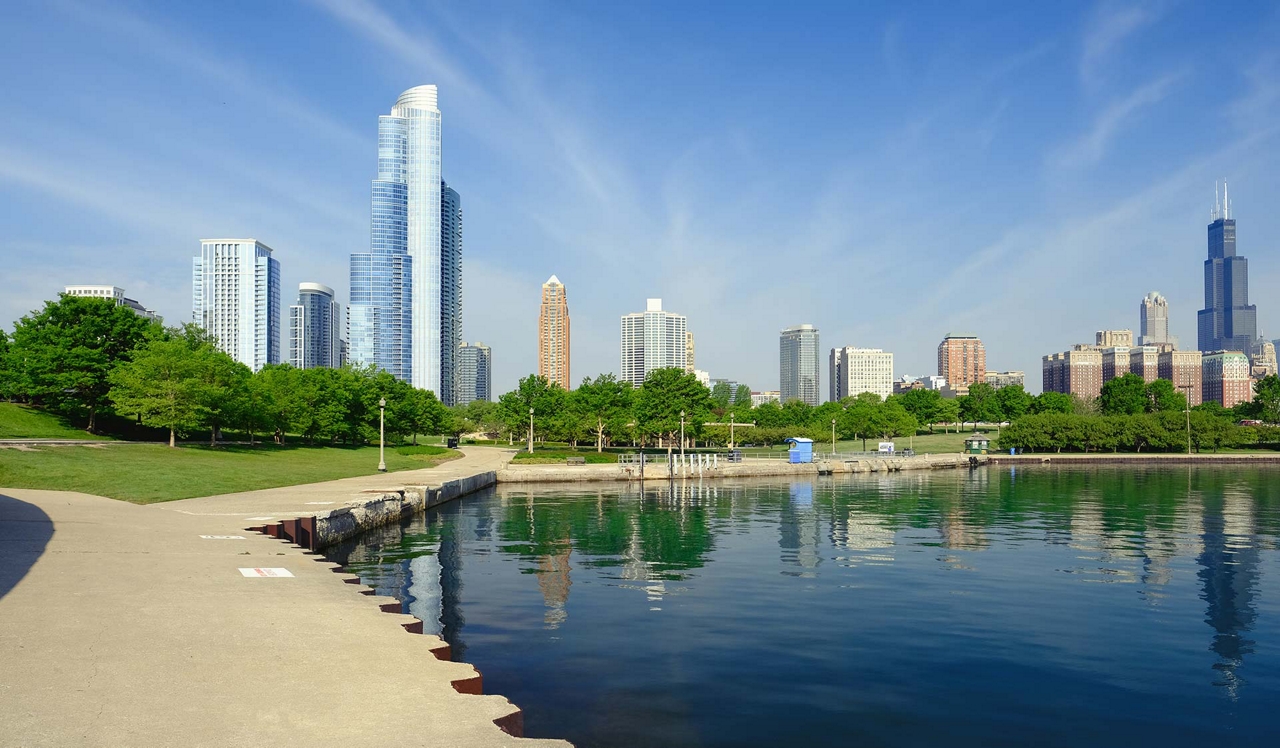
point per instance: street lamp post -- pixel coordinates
(1187, 408)
(682, 434)
(730, 431)
(531, 431)
(833, 437)
(382, 435)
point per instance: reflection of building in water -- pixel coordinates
(634, 566)
(426, 598)
(867, 533)
(958, 532)
(1229, 577)
(798, 529)
(553, 580)
(1160, 546)
(1090, 535)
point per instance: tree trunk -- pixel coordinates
(172, 440)
(415, 437)
(93, 420)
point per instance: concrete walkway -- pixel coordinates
(121, 626)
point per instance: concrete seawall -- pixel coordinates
(378, 509)
(658, 470)
(1134, 458)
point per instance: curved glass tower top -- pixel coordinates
(396, 286)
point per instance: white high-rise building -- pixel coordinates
(798, 377)
(652, 339)
(235, 296)
(858, 370)
(115, 293)
(315, 328)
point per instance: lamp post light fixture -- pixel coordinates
(833, 438)
(382, 435)
(1187, 408)
(731, 419)
(531, 431)
(682, 434)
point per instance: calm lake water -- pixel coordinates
(1042, 606)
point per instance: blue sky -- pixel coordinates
(1024, 171)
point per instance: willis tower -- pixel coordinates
(1228, 321)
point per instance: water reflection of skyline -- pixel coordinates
(1143, 530)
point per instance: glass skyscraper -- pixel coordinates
(475, 373)
(798, 364)
(405, 311)
(235, 296)
(315, 328)
(1228, 321)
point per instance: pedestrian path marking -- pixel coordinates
(251, 519)
(314, 503)
(266, 573)
(223, 537)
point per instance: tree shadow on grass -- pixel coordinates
(25, 530)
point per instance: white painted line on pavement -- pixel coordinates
(266, 573)
(251, 519)
(223, 537)
(314, 503)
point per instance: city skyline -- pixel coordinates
(1116, 168)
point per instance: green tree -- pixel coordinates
(1052, 402)
(1266, 399)
(162, 385)
(546, 399)
(1013, 402)
(1163, 398)
(62, 356)
(6, 374)
(721, 395)
(1124, 396)
(948, 411)
(861, 417)
(665, 394)
(605, 404)
(980, 405)
(925, 405)
(742, 398)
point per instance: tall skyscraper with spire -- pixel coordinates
(405, 311)
(553, 334)
(1228, 321)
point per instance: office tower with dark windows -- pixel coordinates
(403, 288)
(450, 290)
(799, 364)
(315, 328)
(235, 297)
(475, 373)
(1228, 321)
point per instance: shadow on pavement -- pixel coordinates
(24, 532)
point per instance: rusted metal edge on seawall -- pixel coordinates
(659, 470)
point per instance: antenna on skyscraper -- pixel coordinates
(1214, 215)
(1226, 202)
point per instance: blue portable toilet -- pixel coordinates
(801, 450)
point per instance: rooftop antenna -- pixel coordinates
(1226, 203)
(1214, 215)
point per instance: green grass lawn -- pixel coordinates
(24, 422)
(559, 457)
(148, 473)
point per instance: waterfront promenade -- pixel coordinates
(120, 625)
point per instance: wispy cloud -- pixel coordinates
(1111, 122)
(1109, 27)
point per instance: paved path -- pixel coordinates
(121, 626)
(235, 511)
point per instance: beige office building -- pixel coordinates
(553, 334)
(1144, 360)
(688, 352)
(857, 370)
(1114, 338)
(998, 379)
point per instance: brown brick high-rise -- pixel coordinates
(553, 334)
(962, 361)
